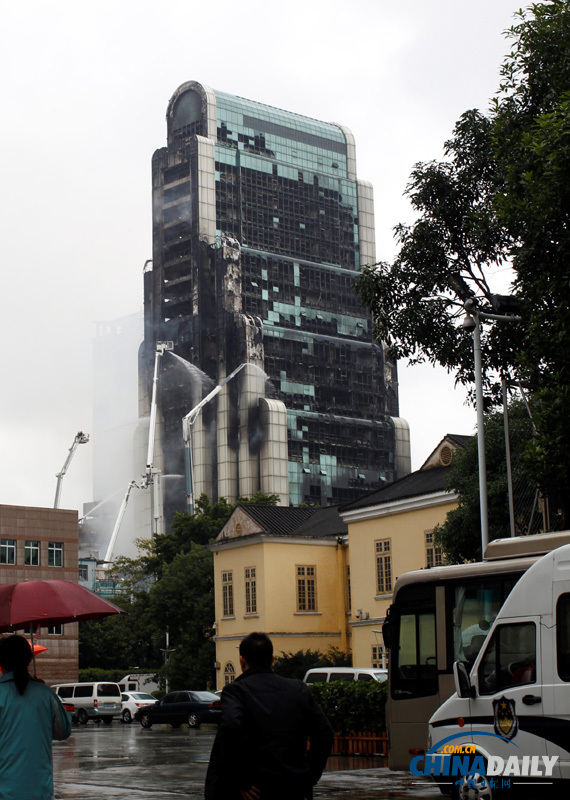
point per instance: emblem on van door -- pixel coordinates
(505, 721)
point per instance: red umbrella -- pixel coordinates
(30, 604)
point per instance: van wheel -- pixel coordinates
(82, 717)
(476, 787)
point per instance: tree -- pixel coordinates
(121, 641)
(460, 535)
(448, 255)
(199, 528)
(182, 602)
(532, 124)
(501, 196)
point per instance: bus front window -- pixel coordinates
(475, 606)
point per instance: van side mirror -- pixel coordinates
(463, 685)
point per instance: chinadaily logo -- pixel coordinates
(461, 763)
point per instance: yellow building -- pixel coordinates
(279, 570)
(315, 578)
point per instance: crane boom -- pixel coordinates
(80, 438)
(121, 514)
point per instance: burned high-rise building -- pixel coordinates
(260, 225)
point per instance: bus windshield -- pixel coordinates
(470, 606)
(474, 606)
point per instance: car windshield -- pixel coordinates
(205, 697)
(142, 696)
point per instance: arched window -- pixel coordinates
(229, 673)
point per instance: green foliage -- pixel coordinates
(449, 253)
(295, 665)
(199, 528)
(338, 657)
(121, 641)
(98, 674)
(502, 194)
(353, 705)
(182, 602)
(134, 573)
(532, 140)
(460, 535)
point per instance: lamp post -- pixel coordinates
(187, 425)
(472, 322)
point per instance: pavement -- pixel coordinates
(127, 761)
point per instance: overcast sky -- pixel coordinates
(84, 93)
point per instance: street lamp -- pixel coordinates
(187, 425)
(472, 322)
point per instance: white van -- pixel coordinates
(512, 712)
(99, 700)
(326, 674)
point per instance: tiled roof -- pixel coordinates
(459, 439)
(279, 520)
(423, 481)
(324, 522)
(288, 521)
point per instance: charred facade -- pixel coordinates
(259, 228)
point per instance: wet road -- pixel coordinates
(123, 761)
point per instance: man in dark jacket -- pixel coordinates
(260, 751)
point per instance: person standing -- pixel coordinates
(260, 751)
(30, 716)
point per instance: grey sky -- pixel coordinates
(84, 94)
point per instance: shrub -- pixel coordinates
(353, 705)
(294, 665)
(97, 674)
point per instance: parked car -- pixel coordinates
(96, 700)
(132, 701)
(327, 674)
(194, 708)
(70, 708)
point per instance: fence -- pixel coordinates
(362, 744)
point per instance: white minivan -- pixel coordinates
(97, 700)
(327, 674)
(512, 712)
